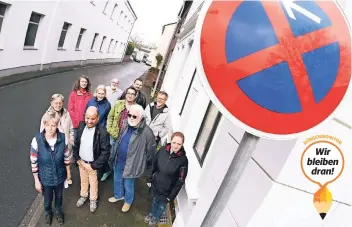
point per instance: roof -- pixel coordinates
(129, 4)
(162, 30)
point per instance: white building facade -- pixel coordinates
(272, 192)
(164, 41)
(42, 34)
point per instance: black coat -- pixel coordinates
(101, 147)
(140, 99)
(169, 172)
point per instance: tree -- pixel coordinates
(159, 59)
(137, 41)
(130, 48)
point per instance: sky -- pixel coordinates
(152, 15)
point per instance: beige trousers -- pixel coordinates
(89, 178)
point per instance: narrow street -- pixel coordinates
(22, 106)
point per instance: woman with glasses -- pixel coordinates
(117, 122)
(64, 126)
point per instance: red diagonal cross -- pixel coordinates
(289, 49)
(222, 76)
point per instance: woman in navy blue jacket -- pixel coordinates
(49, 157)
(100, 101)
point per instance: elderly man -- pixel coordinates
(140, 97)
(134, 150)
(158, 116)
(113, 93)
(91, 151)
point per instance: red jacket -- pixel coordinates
(76, 106)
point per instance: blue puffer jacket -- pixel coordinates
(104, 108)
(52, 169)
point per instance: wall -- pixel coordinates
(272, 191)
(81, 14)
(164, 41)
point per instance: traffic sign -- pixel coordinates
(276, 69)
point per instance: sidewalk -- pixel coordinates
(108, 214)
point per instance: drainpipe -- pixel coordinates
(48, 34)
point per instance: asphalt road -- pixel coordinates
(21, 108)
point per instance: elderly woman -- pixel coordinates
(65, 126)
(101, 102)
(78, 100)
(169, 172)
(49, 155)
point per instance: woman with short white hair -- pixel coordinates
(49, 155)
(65, 126)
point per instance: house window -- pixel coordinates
(63, 34)
(110, 45)
(95, 37)
(80, 38)
(2, 14)
(188, 90)
(115, 47)
(206, 132)
(32, 29)
(113, 12)
(102, 43)
(119, 16)
(106, 4)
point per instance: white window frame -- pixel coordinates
(63, 30)
(113, 11)
(80, 36)
(33, 47)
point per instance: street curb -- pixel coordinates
(18, 78)
(33, 214)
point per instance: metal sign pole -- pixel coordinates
(232, 177)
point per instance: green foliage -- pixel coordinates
(159, 59)
(130, 48)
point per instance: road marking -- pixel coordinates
(289, 5)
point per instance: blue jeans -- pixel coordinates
(48, 193)
(123, 187)
(158, 208)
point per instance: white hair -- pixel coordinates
(138, 108)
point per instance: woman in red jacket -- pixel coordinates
(78, 100)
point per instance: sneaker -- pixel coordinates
(60, 218)
(114, 200)
(126, 207)
(105, 175)
(48, 219)
(153, 222)
(81, 201)
(148, 218)
(93, 205)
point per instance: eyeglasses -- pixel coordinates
(133, 116)
(131, 94)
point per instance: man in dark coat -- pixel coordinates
(91, 151)
(140, 97)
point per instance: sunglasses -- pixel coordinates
(132, 116)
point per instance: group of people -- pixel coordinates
(109, 132)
